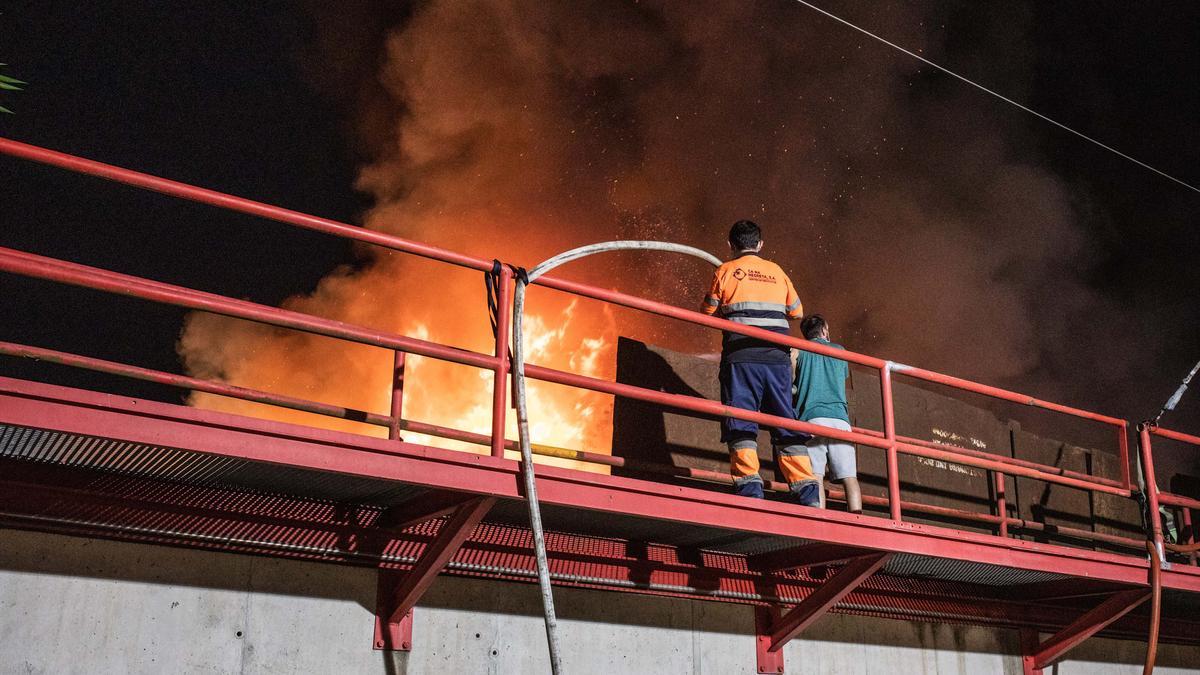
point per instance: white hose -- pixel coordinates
(518, 372)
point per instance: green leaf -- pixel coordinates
(5, 110)
(11, 80)
(10, 87)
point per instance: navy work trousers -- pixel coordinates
(761, 387)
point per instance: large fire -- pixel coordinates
(560, 416)
(559, 333)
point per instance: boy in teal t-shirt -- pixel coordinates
(821, 399)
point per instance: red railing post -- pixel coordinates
(1189, 535)
(1151, 488)
(889, 433)
(397, 406)
(1123, 451)
(1001, 503)
(504, 300)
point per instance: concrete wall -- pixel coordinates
(70, 605)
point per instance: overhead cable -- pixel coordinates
(1174, 400)
(1000, 96)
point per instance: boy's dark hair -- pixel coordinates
(812, 324)
(745, 235)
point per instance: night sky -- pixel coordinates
(249, 98)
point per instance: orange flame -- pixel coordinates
(558, 334)
(559, 416)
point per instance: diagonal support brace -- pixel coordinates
(1087, 625)
(397, 596)
(815, 605)
(774, 631)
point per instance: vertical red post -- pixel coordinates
(1123, 452)
(397, 396)
(504, 309)
(1029, 647)
(889, 432)
(1190, 534)
(1151, 487)
(765, 617)
(1001, 504)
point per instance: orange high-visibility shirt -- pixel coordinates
(755, 292)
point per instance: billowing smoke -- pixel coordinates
(911, 213)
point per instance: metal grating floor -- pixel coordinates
(214, 471)
(196, 468)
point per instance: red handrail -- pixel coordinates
(1155, 497)
(41, 267)
(394, 422)
(242, 205)
(74, 274)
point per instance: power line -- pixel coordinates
(1002, 97)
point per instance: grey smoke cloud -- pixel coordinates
(912, 214)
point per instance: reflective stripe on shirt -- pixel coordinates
(762, 306)
(760, 321)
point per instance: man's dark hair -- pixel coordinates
(745, 235)
(812, 324)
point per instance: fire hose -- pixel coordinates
(518, 372)
(1157, 558)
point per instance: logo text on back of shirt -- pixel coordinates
(755, 275)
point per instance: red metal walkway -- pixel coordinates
(95, 464)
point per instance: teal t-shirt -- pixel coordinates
(821, 385)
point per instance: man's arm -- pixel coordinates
(713, 300)
(795, 310)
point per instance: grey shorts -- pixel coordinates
(827, 452)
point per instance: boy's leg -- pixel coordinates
(843, 464)
(853, 495)
(741, 387)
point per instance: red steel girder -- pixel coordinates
(397, 595)
(395, 636)
(450, 537)
(137, 421)
(827, 595)
(774, 631)
(1087, 625)
(139, 510)
(766, 616)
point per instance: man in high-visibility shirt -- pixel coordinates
(756, 374)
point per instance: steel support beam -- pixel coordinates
(772, 638)
(766, 616)
(87, 414)
(396, 596)
(395, 636)
(1029, 647)
(1041, 655)
(814, 606)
